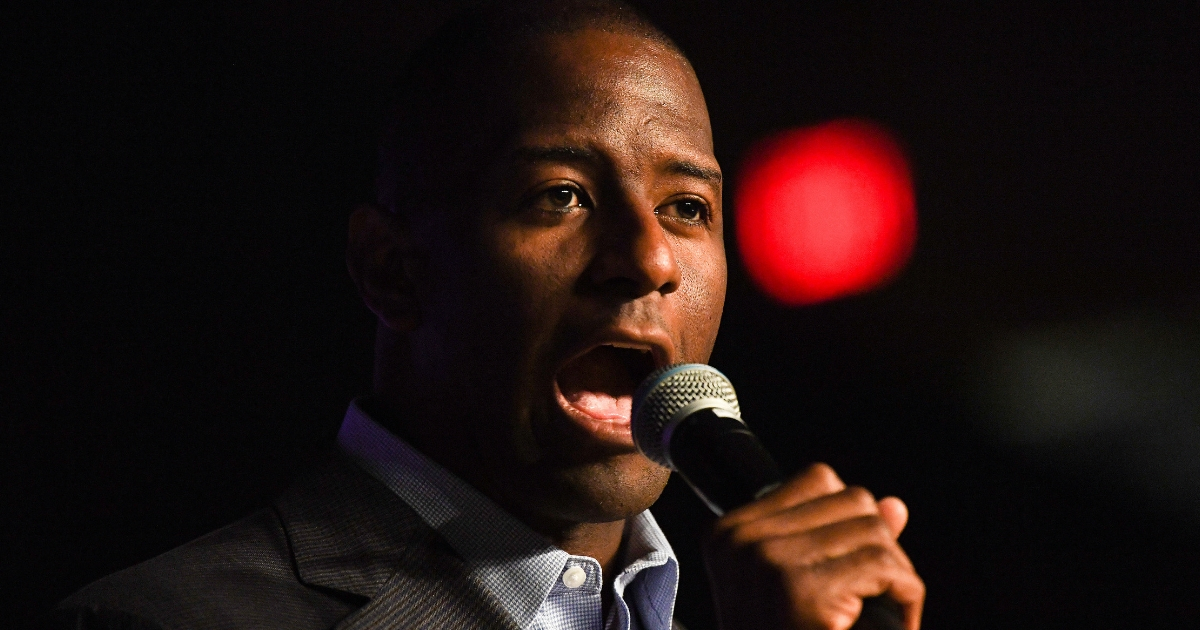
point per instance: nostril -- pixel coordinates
(638, 262)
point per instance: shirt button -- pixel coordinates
(574, 577)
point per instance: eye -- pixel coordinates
(558, 199)
(562, 197)
(687, 209)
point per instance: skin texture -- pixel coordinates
(598, 220)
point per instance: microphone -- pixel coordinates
(686, 417)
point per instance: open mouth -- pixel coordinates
(600, 382)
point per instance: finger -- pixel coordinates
(817, 481)
(848, 504)
(895, 513)
(872, 571)
(843, 538)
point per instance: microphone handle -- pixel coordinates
(727, 467)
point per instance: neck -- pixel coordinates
(604, 542)
(601, 541)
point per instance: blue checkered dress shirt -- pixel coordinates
(536, 583)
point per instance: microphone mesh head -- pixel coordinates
(665, 392)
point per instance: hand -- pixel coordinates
(806, 554)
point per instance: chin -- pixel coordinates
(601, 491)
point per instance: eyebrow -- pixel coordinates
(563, 153)
(570, 153)
(693, 170)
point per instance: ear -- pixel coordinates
(377, 256)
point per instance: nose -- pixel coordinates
(634, 254)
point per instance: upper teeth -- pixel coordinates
(629, 346)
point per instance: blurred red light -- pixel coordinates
(825, 211)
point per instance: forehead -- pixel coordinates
(621, 89)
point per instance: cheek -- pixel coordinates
(702, 299)
(535, 269)
(527, 276)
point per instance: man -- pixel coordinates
(549, 231)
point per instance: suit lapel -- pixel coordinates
(348, 532)
(433, 589)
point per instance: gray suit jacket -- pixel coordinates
(338, 550)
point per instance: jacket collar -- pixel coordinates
(349, 533)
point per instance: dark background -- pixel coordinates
(179, 338)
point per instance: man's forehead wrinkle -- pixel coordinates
(612, 126)
(642, 91)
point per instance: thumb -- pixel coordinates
(894, 513)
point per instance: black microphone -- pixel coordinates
(686, 417)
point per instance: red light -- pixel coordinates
(825, 211)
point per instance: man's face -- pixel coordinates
(589, 253)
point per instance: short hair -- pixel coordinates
(439, 115)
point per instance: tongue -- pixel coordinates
(603, 406)
(599, 384)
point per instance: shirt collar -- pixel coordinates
(515, 564)
(653, 596)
